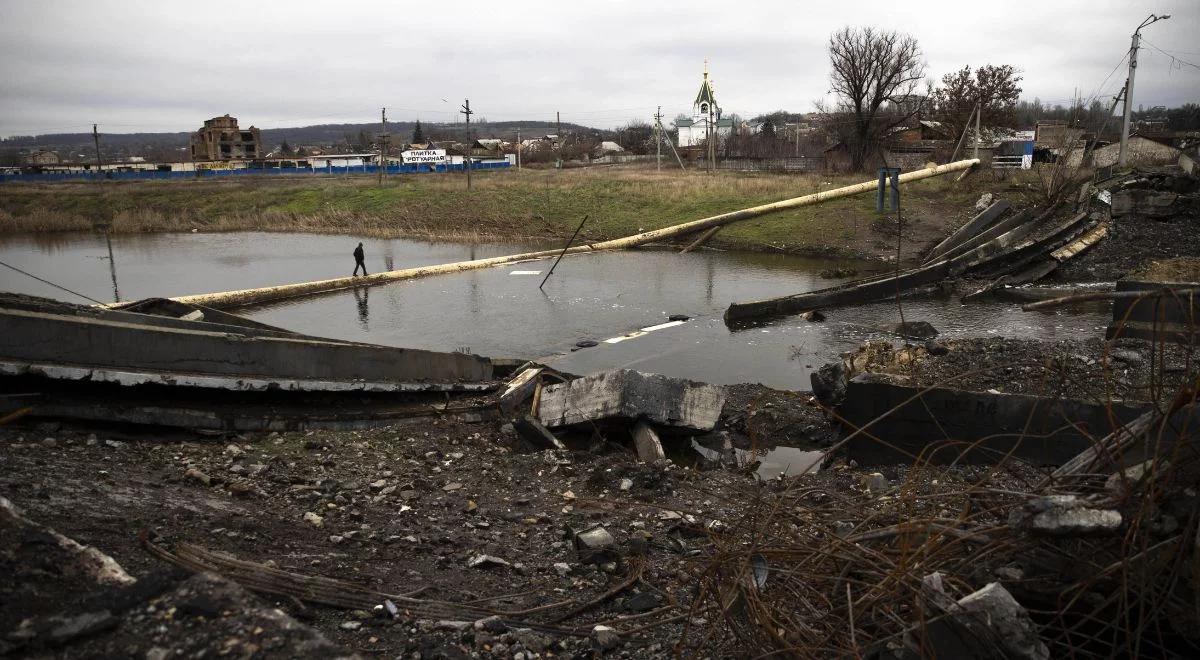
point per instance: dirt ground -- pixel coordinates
(393, 509)
(1088, 369)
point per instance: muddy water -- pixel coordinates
(502, 312)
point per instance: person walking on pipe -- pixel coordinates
(358, 261)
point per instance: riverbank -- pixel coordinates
(511, 205)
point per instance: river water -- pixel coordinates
(501, 312)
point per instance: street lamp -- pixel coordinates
(1133, 51)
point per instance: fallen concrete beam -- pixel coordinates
(646, 442)
(632, 395)
(520, 388)
(1156, 311)
(55, 339)
(973, 228)
(944, 425)
(131, 377)
(245, 417)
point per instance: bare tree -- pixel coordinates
(870, 68)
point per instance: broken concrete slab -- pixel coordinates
(913, 329)
(69, 340)
(630, 395)
(944, 425)
(647, 443)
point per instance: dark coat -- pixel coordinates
(358, 253)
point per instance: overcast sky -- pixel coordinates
(166, 66)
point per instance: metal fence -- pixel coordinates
(44, 177)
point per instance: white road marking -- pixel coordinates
(526, 272)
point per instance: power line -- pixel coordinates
(44, 281)
(1173, 58)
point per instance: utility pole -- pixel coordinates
(96, 139)
(382, 139)
(1133, 52)
(466, 111)
(561, 141)
(658, 138)
(978, 111)
(662, 135)
(518, 149)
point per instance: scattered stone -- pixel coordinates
(997, 609)
(626, 484)
(451, 487)
(586, 343)
(492, 624)
(313, 519)
(642, 602)
(455, 626)
(594, 545)
(829, 383)
(351, 625)
(876, 483)
(678, 317)
(605, 638)
(486, 561)
(936, 348)
(985, 200)
(813, 316)
(197, 475)
(562, 568)
(233, 450)
(49, 442)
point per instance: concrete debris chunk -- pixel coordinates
(595, 545)
(1063, 515)
(646, 441)
(486, 561)
(530, 428)
(997, 609)
(829, 383)
(100, 567)
(605, 638)
(626, 394)
(519, 389)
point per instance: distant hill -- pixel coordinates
(172, 146)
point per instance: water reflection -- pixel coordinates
(362, 298)
(112, 267)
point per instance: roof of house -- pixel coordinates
(684, 122)
(609, 145)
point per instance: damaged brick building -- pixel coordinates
(221, 139)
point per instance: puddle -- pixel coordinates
(773, 462)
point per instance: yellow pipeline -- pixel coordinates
(272, 293)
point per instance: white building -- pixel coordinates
(706, 115)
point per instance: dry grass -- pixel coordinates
(502, 205)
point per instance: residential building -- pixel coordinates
(40, 157)
(221, 139)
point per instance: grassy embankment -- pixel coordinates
(503, 205)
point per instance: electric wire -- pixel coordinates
(45, 281)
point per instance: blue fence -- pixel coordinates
(266, 171)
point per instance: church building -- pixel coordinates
(706, 116)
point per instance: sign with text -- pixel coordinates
(424, 156)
